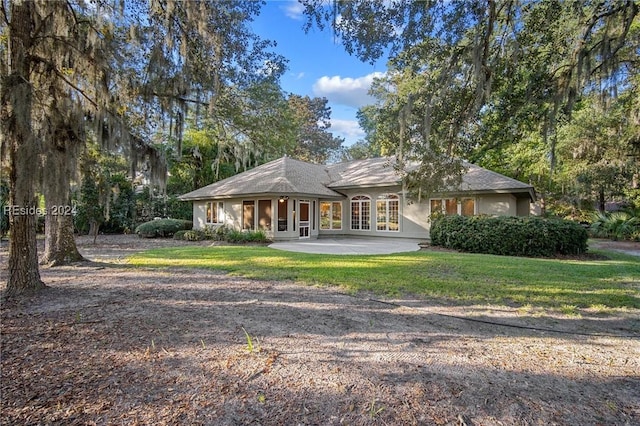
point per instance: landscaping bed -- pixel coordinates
(106, 344)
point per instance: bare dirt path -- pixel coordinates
(116, 345)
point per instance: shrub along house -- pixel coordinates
(291, 199)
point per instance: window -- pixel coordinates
(264, 215)
(330, 215)
(336, 216)
(387, 217)
(283, 210)
(451, 206)
(361, 213)
(248, 215)
(468, 207)
(215, 212)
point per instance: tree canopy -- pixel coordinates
(470, 79)
(312, 116)
(129, 75)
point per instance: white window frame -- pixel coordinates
(331, 211)
(386, 200)
(218, 208)
(361, 200)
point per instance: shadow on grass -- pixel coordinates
(457, 278)
(167, 347)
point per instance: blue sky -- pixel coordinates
(318, 66)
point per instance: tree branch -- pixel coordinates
(5, 16)
(178, 98)
(67, 81)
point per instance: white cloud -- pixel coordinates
(294, 10)
(346, 91)
(348, 129)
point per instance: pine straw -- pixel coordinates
(113, 345)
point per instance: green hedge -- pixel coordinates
(234, 236)
(511, 236)
(162, 227)
(222, 234)
(179, 235)
(190, 235)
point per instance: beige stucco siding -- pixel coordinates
(523, 207)
(413, 215)
(496, 205)
(412, 220)
(416, 219)
(232, 214)
(199, 212)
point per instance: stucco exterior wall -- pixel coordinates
(496, 205)
(199, 213)
(413, 215)
(413, 221)
(233, 216)
(523, 207)
(233, 213)
(416, 220)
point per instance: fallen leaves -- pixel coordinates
(166, 347)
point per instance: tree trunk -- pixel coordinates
(15, 120)
(60, 244)
(94, 227)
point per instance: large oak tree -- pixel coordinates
(123, 73)
(21, 147)
(468, 77)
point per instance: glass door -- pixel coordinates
(304, 219)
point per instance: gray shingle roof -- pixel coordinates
(364, 173)
(479, 179)
(288, 176)
(282, 176)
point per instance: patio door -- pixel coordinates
(304, 222)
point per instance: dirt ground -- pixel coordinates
(108, 344)
(628, 247)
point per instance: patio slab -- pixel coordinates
(350, 245)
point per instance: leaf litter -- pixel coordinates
(111, 344)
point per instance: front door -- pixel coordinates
(304, 219)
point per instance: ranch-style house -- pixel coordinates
(291, 199)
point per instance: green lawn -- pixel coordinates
(604, 285)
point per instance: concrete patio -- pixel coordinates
(350, 245)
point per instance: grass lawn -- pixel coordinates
(565, 285)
